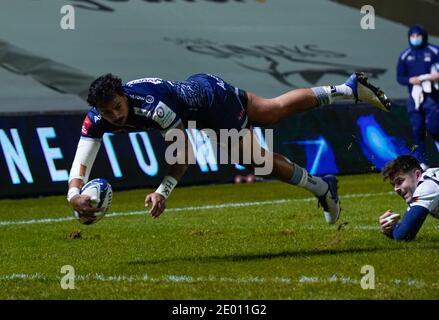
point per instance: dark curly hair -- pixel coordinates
(404, 163)
(103, 89)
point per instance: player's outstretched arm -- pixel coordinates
(157, 199)
(84, 158)
(410, 225)
(387, 221)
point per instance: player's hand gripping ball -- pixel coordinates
(101, 195)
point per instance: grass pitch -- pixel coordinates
(265, 240)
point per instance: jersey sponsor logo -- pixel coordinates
(149, 98)
(86, 125)
(136, 97)
(163, 115)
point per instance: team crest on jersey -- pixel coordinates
(163, 115)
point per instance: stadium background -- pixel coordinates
(266, 47)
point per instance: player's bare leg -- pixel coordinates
(325, 189)
(267, 112)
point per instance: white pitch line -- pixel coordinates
(301, 280)
(194, 208)
(34, 221)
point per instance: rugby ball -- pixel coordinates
(101, 195)
(392, 218)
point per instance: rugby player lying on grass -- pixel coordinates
(157, 104)
(419, 189)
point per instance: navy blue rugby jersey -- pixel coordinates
(154, 104)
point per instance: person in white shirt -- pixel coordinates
(419, 189)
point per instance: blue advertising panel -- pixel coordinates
(36, 151)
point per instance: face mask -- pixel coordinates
(416, 41)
